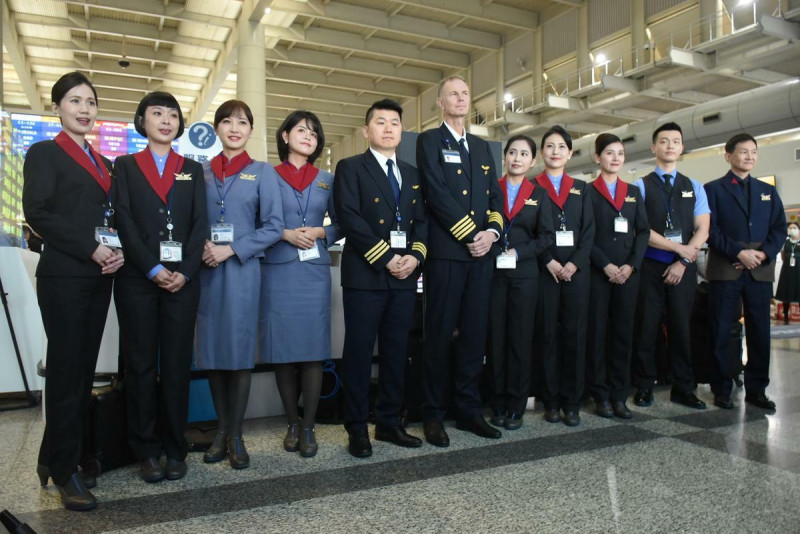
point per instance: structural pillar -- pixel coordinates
(538, 67)
(638, 37)
(582, 44)
(251, 82)
(500, 83)
(712, 23)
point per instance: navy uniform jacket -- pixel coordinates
(63, 204)
(531, 232)
(462, 200)
(580, 220)
(365, 206)
(615, 247)
(733, 229)
(142, 218)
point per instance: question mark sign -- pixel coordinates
(202, 135)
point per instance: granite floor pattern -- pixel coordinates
(669, 469)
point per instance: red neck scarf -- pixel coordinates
(300, 178)
(524, 193)
(99, 172)
(566, 184)
(222, 166)
(160, 184)
(619, 194)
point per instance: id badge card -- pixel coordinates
(674, 235)
(451, 156)
(621, 225)
(506, 260)
(106, 237)
(792, 262)
(309, 254)
(565, 238)
(397, 239)
(170, 251)
(221, 233)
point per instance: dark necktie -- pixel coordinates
(668, 184)
(393, 182)
(745, 183)
(462, 148)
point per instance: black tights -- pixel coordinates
(311, 381)
(230, 391)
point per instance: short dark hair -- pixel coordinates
(667, 127)
(520, 137)
(730, 146)
(558, 130)
(386, 103)
(66, 83)
(293, 120)
(797, 224)
(156, 98)
(229, 108)
(603, 140)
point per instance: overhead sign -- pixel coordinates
(199, 142)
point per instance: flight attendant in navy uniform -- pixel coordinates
(620, 239)
(245, 217)
(748, 228)
(459, 181)
(69, 199)
(382, 214)
(527, 232)
(563, 289)
(162, 221)
(296, 278)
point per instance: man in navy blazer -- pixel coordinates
(748, 228)
(382, 215)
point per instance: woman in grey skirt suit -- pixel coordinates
(295, 325)
(245, 218)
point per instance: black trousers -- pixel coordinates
(74, 311)
(457, 296)
(562, 314)
(156, 340)
(388, 315)
(654, 296)
(724, 300)
(512, 315)
(612, 308)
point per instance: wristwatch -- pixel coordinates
(685, 262)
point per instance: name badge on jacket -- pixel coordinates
(451, 156)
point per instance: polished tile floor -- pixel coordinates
(670, 469)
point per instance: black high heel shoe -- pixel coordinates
(44, 475)
(237, 453)
(75, 496)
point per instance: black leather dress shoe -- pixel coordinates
(44, 475)
(621, 410)
(175, 469)
(603, 409)
(760, 400)
(359, 445)
(237, 453)
(643, 397)
(552, 414)
(687, 399)
(723, 401)
(435, 433)
(75, 496)
(151, 471)
(498, 418)
(218, 449)
(572, 417)
(513, 421)
(397, 435)
(478, 426)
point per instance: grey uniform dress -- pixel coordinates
(296, 296)
(227, 319)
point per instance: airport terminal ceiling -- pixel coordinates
(592, 65)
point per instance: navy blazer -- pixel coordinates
(613, 247)
(462, 200)
(320, 201)
(64, 204)
(365, 205)
(734, 229)
(580, 220)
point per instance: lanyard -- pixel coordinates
(170, 226)
(303, 212)
(110, 210)
(563, 218)
(221, 196)
(506, 231)
(667, 205)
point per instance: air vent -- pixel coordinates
(714, 117)
(628, 140)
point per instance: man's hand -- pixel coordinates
(405, 266)
(687, 252)
(481, 244)
(674, 274)
(163, 277)
(175, 283)
(750, 259)
(102, 254)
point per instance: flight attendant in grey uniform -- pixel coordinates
(245, 218)
(296, 280)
